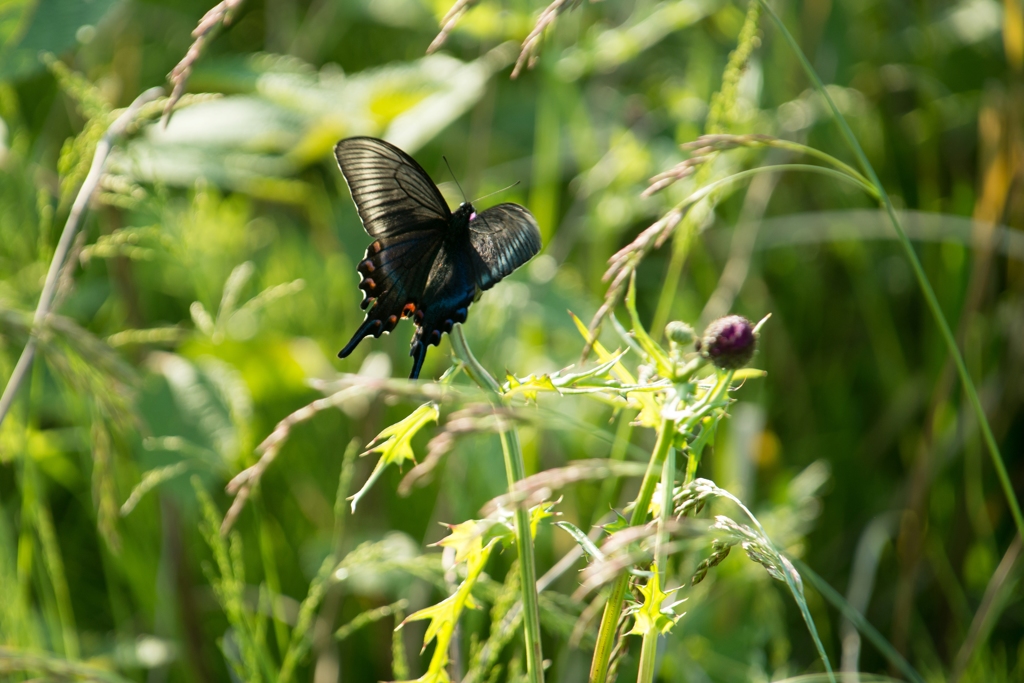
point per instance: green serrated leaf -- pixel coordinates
(651, 616)
(619, 524)
(650, 414)
(529, 386)
(395, 444)
(538, 513)
(467, 538)
(444, 615)
(652, 349)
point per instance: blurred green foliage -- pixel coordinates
(215, 281)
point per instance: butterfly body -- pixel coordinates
(426, 263)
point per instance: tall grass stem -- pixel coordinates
(919, 274)
(649, 648)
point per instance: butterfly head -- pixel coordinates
(463, 215)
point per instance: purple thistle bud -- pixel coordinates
(729, 342)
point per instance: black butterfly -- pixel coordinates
(426, 262)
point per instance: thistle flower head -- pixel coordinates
(729, 342)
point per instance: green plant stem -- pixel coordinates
(668, 483)
(919, 274)
(648, 657)
(649, 648)
(613, 608)
(792, 581)
(515, 471)
(691, 468)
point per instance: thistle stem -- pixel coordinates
(648, 657)
(515, 471)
(613, 608)
(649, 649)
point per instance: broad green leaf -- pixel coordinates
(289, 116)
(28, 27)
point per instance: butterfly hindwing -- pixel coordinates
(503, 238)
(449, 292)
(394, 276)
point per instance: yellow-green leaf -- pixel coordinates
(650, 415)
(655, 354)
(395, 444)
(651, 617)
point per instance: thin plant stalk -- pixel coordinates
(836, 599)
(792, 581)
(648, 657)
(613, 608)
(919, 274)
(67, 237)
(515, 471)
(668, 482)
(649, 648)
(806, 168)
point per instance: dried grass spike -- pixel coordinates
(219, 14)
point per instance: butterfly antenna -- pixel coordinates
(453, 177)
(496, 192)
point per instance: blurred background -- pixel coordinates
(215, 281)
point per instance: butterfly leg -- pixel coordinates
(419, 354)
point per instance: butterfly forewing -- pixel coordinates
(392, 193)
(503, 238)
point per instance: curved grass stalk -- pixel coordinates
(919, 274)
(792, 580)
(863, 625)
(67, 237)
(805, 168)
(515, 471)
